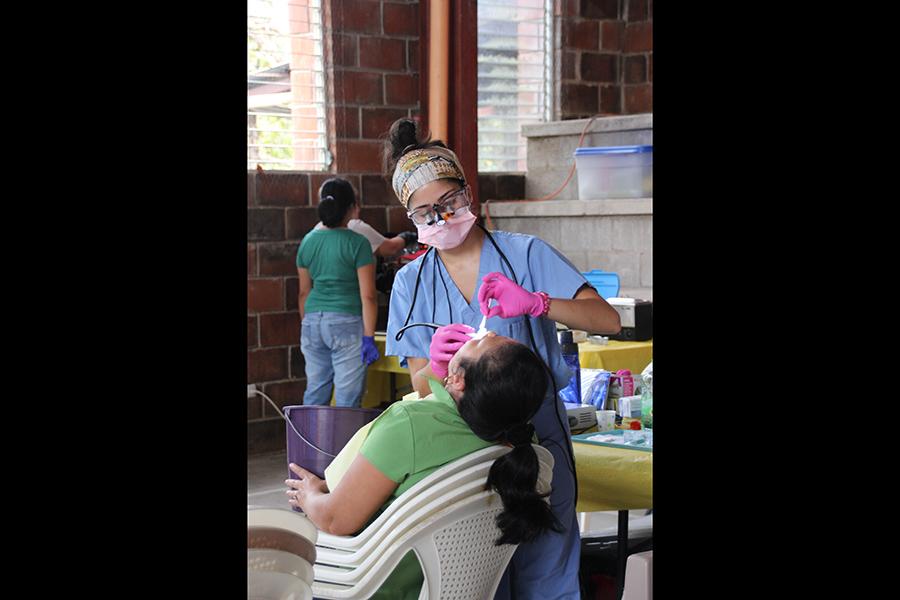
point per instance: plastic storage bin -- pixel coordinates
(606, 283)
(614, 172)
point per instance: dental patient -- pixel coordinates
(493, 388)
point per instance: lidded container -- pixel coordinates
(614, 172)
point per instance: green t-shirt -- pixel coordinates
(408, 442)
(413, 438)
(332, 257)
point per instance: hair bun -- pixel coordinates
(403, 135)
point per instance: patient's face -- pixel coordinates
(473, 349)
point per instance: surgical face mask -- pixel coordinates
(448, 234)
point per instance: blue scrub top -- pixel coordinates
(538, 267)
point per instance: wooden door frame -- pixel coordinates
(462, 114)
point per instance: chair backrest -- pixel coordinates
(399, 523)
(454, 544)
(455, 547)
(421, 493)
(438, 490)
(461, 560)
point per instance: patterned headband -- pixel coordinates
(418, 167)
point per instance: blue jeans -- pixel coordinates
(332, 344)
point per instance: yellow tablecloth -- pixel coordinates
(378, 377)
(613, 478)
(633, 356)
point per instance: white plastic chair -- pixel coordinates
(449, 490)
(454, 545)
(438, 485)
(420, 493)
(639, 577)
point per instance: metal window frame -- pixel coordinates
(280, 83)
(544, 86)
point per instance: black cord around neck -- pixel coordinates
(438, 265)
(412, 305)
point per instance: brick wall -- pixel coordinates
(372, 61)
(606, 57)
(376, 81)
(372, 53)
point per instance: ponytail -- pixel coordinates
(504, 389)
(527, 513)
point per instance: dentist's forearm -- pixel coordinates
(593, 315)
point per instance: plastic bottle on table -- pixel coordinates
(647, 398)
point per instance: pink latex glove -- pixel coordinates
(444, 344)
(514, 300)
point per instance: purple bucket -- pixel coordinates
(329, 428)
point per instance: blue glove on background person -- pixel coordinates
(369, 351)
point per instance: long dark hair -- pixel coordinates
(403, 136)
(504, 389)
(336, 197)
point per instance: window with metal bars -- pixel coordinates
(286, 100)
(515, 66)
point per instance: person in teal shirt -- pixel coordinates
(337, 301)
(494, 387)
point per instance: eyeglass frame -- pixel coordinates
(465, 191)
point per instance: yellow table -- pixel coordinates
(382, 376)
(613, 478)
(633, 356)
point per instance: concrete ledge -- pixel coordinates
(571, 208)
(602, 124)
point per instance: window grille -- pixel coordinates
(286, 86)
(515, 65)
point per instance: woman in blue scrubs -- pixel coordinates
(442, 287)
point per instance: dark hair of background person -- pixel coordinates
(336, 197)
(402, 137)
(505, 388)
